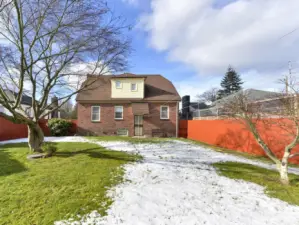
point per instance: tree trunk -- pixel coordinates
(35, 137)
(283, 169)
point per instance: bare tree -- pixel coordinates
(44, 45)
(280, 110)
(209, 95)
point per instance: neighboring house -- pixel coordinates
(252, 95)
(270, 102)
(129, 105)
(26, 105)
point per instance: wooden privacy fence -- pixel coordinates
(9, 130)
(233, 135)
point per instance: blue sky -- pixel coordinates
(192, 42)
(145, 59)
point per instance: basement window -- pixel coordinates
(122, 132)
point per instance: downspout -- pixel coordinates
(177, 119)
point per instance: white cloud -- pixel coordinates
(244, 33)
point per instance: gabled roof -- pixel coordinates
(128, 75)
(252, 95)
(156, 88)
(26, 100)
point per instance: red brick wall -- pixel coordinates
(153, 121)
(108, 125)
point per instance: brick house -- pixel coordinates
(129, 105)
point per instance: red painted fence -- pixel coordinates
(9, 130)
(233, 135)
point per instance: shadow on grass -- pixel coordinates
(264, 177)
(9, 165)
(99, 153)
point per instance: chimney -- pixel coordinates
(186, 107)
(54, 104)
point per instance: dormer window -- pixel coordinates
(118, 84)
(133, 87)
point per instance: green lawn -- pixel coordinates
(264, 177)
(263, 159)
(72, 182)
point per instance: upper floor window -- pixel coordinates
(95, 113)
(118, 84)
(133, 87)
(118, 112)
(164, 112)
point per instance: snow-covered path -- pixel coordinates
(175, 184)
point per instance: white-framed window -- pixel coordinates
(118, 84)
(118, 112)
(95, 113)
(133, 87)
(164, 112)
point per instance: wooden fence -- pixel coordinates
(234, 135)
(9, 130)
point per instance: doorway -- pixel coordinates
(138, 125)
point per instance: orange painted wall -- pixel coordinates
(9, 130)
(232, 135)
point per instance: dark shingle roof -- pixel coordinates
(26, 100)
(156, 87)
(251, 95)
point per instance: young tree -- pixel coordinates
(74, 112)
(66, 110)
(280, 111)
(231, 83)
(43, 47)
(209, 95)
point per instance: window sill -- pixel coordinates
(164, 119)
(118, 119)
(96, 121)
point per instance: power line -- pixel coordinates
(289, 33)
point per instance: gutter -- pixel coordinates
(177, 120)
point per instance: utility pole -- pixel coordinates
(288, 76)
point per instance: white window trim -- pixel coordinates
(121, 85)
(122, 112)
(135, 86)
(164, 106)
(96, 106)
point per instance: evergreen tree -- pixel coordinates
(231, 82)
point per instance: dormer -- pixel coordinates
(127, 86)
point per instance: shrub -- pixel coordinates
(49, 149)
(59, 127)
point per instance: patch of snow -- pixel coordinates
(49, 139)
(176, 184)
